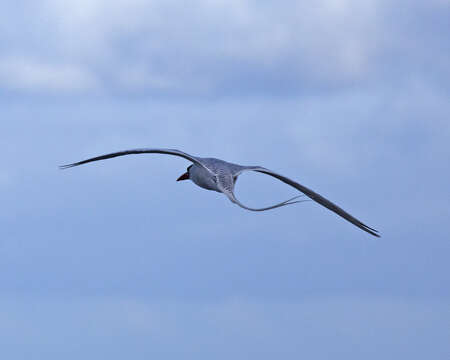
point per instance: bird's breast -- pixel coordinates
(203, 178)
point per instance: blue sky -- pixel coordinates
(116, 259)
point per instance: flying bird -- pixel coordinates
(218, 175)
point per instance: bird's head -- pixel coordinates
(185, 176)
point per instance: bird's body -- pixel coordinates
(219, 175)
(207, 179)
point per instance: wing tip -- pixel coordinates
(371, 231)
(367, 228)
(67, 166)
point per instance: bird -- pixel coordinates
(221, 176)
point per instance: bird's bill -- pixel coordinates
(185, 176)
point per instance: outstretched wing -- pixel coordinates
(316, 197)
(138, 151)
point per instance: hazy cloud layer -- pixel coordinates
(351, 327)
(221, 47)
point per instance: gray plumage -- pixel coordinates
(218, 175)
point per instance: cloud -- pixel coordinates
(24, 74)
(227, 48)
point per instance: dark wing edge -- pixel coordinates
(135, 151)
(317, 198)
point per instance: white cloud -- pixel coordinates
(222, 46)
(20, 73)
(329, 39)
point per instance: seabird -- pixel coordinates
(218, 175)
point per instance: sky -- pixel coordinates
(117, 260)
